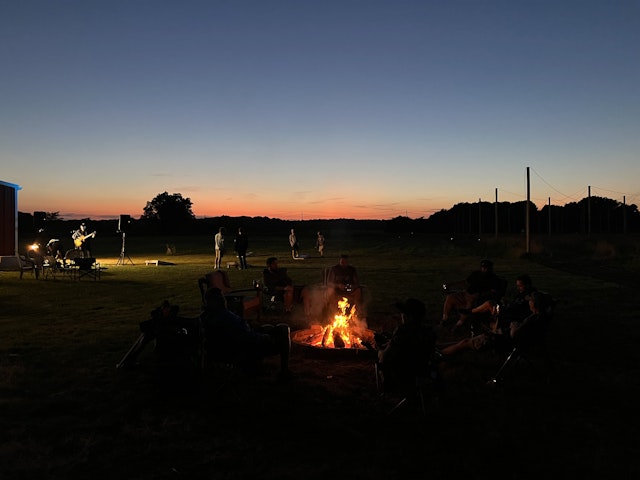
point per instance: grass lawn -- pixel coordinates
(66, 412)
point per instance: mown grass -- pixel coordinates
(67, 412)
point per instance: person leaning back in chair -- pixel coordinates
(231, 338)
(479, 286)
(531, 328)
(409, 352)
(513, 309)
(343, 281)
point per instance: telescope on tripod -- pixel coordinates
(123, 225)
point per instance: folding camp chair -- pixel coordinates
(237, 300)
(532, 348)
(424, 389)
(87, 267)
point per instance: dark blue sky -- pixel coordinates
(317, 109)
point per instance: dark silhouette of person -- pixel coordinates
(241, 244)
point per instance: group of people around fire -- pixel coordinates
(479, 303)
(480, 300)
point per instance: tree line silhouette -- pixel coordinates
(171, 214)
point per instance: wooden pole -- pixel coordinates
(527, 240)
(496, 212)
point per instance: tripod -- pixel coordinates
(123, 254)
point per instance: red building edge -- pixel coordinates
(9, 255)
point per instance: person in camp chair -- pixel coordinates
(343, 281)
(220, 279)
(481, 285)
(529, 329)
(231, 338)
(408, 354)
(278, 283)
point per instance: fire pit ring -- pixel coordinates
(306, 341)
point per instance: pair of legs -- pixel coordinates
(286, 294)
(461, 301)
(218, 261)
(242, 256)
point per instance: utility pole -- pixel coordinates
(527, 239)
(589, 211)
(496, 212)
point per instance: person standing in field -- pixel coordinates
(241, 243)
(320, 244)
(219, 247)
(293, 241)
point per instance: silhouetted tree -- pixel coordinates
(171, 211)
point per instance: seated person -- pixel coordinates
(54, 249)
(530, 328)
(516, 308)
(220, 279)
(480, 286)
(343, 281)
(409, 352)
(278, 283)
(229, 337)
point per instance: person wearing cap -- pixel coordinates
(408, 353)
(230, 338)
(481, 285)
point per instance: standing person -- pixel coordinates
(293, 241)
(320, 243)
(240, 244)
(219, 245)
(82, 240)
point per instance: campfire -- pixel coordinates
(346, 331)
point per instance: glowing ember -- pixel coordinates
(346, 331)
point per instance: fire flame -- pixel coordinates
(343, 332)
(339, 334)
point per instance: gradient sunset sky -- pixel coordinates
(307, 109)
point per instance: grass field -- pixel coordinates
(66, 412)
